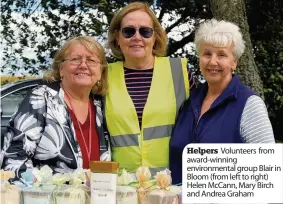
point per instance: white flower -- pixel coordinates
(125, 178)
(163, 179)
(43, 175)
(78, 177)
(58, 178)
(143, 174)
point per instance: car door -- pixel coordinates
(9, 103)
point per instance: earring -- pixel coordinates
(61, 78)
(98, 83)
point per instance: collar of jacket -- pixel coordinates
(229, 93)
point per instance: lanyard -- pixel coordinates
(88, 149)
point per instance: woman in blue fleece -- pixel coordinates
(222, 110)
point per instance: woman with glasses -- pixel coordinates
(145, 90)
(59, 123)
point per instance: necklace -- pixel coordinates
(88, 149)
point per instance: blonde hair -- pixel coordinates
(92, 46)
(220, 33)
(160, 45)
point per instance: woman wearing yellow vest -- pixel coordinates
(145, 90)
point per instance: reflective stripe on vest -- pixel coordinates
(177, 74)
(157, 132)
(125, 140)
(149, 134)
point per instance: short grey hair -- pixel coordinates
(220, 33)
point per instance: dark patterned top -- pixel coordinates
(41, 132)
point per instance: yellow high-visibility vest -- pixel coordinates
(133, 146)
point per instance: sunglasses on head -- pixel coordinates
(145, 32)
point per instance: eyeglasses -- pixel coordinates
(145, 32)
(78, 60)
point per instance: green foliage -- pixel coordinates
(266, 28)
(23, 22)
(54, 20)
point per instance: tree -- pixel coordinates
(266, 29)
(235, 11)
(40, 27)
(57, 20)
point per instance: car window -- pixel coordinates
(10, 102)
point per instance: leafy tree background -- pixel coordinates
(58, 20)
(265, 20)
